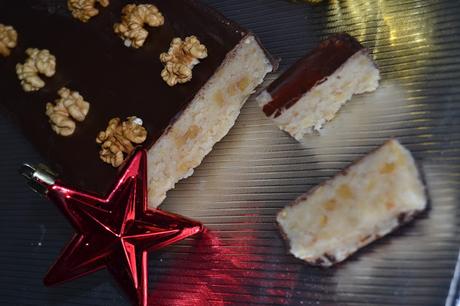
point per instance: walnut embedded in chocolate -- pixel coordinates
(38, 62)
(119, 139)
(70, 107)
(8, 39)
(84, 10)
(180, 59)
(131, 28)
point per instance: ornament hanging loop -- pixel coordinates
(38, 178)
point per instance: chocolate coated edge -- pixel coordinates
(274, 61)
(235, 26)
(309, 71)
(407, 218)
(215, 14)
(100, 180)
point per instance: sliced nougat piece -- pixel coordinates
(207, 119)
(313, 90)
(363, 203)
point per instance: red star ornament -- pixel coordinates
(116, 232)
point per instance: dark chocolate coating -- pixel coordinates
(116, 80)
(309, 71)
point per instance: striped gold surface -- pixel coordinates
(257, 169)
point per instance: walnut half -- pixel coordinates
(118, 139)
(180, 59)
(8, 39)
(134, 17)
(69, 107)
(84, 10)
(39, 62)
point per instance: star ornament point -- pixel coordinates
(117, 231)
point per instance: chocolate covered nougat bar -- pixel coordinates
(183, 121)
(312, 90)
(368, 200)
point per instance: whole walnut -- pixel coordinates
(84, 10)
(8, 39)
(131, 29)
(180, 59)
(118, 139)
(69, 107)
(38, 62)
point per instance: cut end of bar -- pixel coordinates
(308, 111)
(367, 201)
(207, 119)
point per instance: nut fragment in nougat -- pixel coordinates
(313, 90)
(368, 200)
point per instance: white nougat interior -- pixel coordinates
(320, 104)
(207, 119)
(368, 201)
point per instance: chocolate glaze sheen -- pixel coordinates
(309, 71)
(116, 80)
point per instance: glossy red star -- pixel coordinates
(116, 232)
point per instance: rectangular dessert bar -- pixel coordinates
(313, 90)
(214, 108)
(368, 200)
(183, 122)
